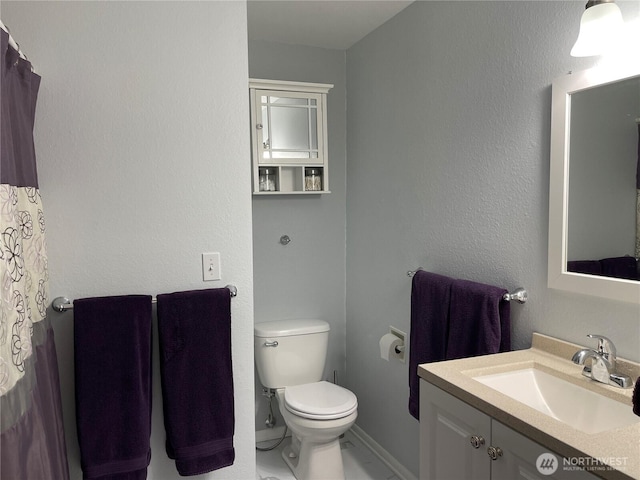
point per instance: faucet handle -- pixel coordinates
(605, 346)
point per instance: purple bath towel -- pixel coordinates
(620, 267)
(479, 320)
(112, 338)
(593, 267)
(430, 294)
(197, 379)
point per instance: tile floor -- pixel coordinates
(359, 462)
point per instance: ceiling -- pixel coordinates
(334, 24)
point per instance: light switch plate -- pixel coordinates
(211, 266)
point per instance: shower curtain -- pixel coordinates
(32, 444)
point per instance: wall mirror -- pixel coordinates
(592, 190)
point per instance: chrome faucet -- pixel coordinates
(603, 363)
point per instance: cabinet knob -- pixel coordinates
(494, 452)
(477, 441)
(259, 126)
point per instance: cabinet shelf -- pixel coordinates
(267, 194)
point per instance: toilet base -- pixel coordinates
(314, 453)
(314, 461)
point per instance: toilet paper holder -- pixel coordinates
(392, 345)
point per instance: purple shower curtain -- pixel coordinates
(32, 444)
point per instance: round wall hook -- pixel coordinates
(284, 240)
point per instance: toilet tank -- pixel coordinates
(299, 355)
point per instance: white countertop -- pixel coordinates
(617, 450)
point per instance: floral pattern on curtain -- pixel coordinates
(32, 444)
(24, 278)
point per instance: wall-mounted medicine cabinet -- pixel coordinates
(289, 137)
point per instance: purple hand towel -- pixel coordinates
(112, 338)
(479, 320)
(593, 267)
(430, 295)
(620, 267)
(197, 379)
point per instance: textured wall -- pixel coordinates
(143, 157)
(448, 168)
(305, 279)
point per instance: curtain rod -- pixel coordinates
(62, 304)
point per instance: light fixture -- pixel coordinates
(600, 27)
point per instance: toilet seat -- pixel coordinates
(320, 401)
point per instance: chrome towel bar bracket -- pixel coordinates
(411, 273)
(520, 295)
(62, 304)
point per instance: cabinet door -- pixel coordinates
(446, 428)
(289, 127)
(520, 456)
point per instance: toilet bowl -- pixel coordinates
(316, 427)
(290, 357)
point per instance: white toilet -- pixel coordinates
(290, 357)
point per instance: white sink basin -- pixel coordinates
(578, 407)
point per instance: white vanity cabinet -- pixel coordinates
(289, 137)
(447, 426)
(458, 441)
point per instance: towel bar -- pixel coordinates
(520, 295)
(62, 304)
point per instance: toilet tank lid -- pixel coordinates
(286, 328)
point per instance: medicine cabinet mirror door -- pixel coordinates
(289, 127)
(593, 179)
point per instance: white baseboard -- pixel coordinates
(395, 466)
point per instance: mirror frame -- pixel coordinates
(558, 276)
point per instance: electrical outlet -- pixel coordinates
(211, 266)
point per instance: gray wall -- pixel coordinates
(448, 168)
(144, 163)
(305, 279)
